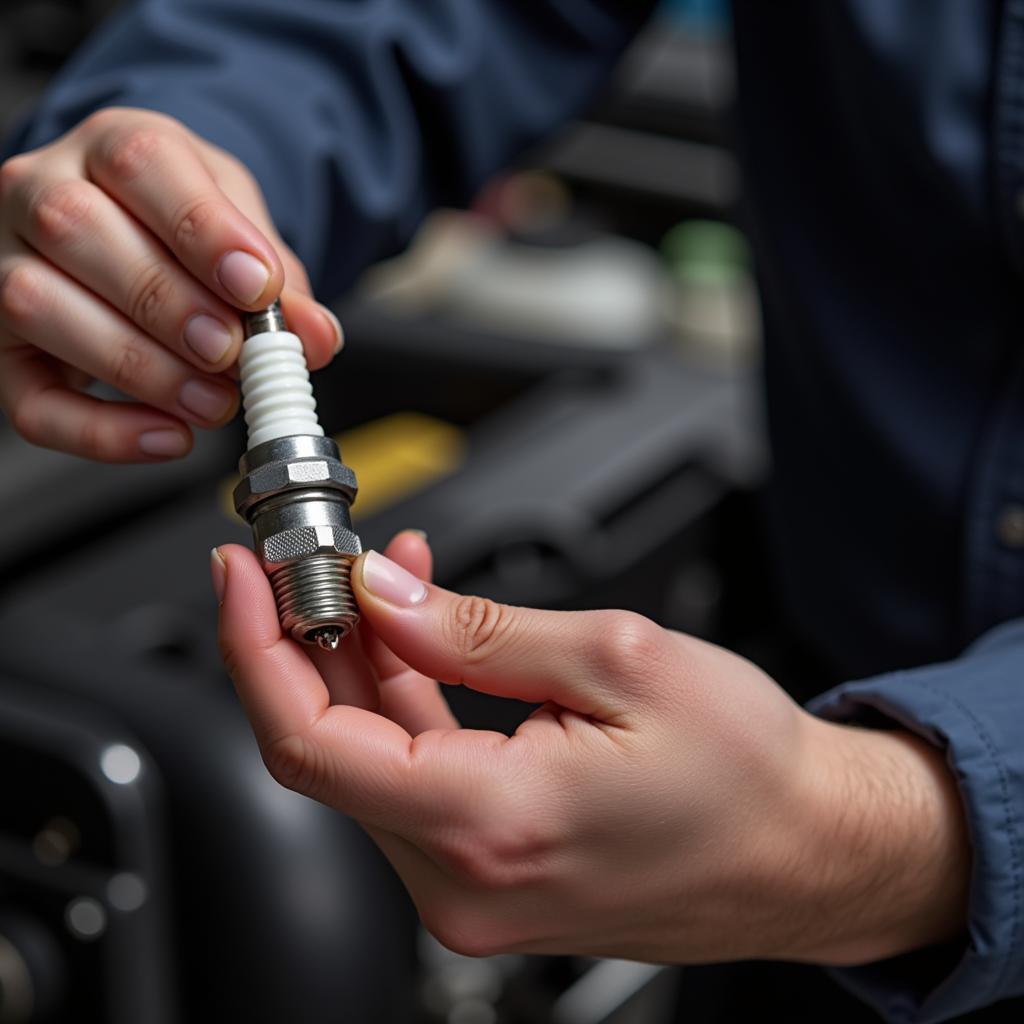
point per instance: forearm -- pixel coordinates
(968, 712)
(888, 852)
(864, 857)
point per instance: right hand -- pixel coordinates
(123, 245)
(665, 802)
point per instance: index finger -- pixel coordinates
(150, 166)
(354, 760)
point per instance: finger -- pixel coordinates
(364, 673)
(345, 756)
(154, 170)
(280, 688)
(441, 783)
(591, 662)
(347, 673)
(316, 325)
(411, 551)
(408, 697)
(359, 762)
(77, 380)
(81, 230)
(45, 409)
(41, 305)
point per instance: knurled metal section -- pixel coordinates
(303, 541)
(284, 547)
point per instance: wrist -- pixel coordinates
(886, 849)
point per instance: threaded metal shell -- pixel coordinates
(315, 594)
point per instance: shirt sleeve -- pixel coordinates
(973, 708)
(356, 116)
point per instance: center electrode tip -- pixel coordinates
(328, 639)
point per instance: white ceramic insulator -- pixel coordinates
(276, 393)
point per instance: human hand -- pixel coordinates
(126, 248)
(667, 802)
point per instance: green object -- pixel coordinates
(706, 251)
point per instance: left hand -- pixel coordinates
(667, 802)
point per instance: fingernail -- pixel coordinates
(208, 337)
(219, 573)
(205, 400)
(419, 533)
(339, 334)
(243, 275)
(168, 444)
(390, 582)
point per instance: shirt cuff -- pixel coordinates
(973, 708)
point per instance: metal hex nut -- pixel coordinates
(303, 541)
(279, 477)
(308, 472)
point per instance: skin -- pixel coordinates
(111, 240)
(668, 802)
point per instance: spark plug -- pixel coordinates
(294, 491)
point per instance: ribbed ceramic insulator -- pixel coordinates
(276, 393)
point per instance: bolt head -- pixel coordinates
(279, 477)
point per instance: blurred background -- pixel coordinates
(561, 387)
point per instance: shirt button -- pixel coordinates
(1011, 526)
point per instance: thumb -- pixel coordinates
(319, 329)
(576, 659)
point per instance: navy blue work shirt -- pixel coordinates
(884, 160)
